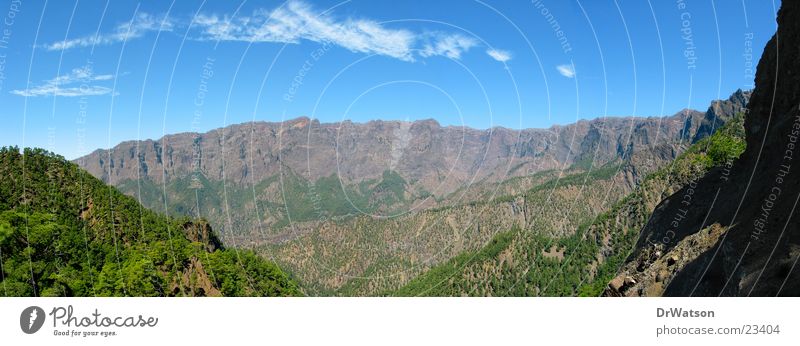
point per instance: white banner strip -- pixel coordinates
(399, 321)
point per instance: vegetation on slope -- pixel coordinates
(291, 198)
(65, 233)
(370, 256)
(538, 261)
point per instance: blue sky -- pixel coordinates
(87, 75)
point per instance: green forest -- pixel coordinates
(66, 233)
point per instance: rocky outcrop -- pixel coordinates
(200, 232)
(720, 112)
(734, 232)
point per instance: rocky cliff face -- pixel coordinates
(249, 178)
(435, 158)
(734, 231)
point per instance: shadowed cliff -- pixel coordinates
(734, 232)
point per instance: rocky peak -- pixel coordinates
(720, 112)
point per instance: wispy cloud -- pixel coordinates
(142, 24)
(499, 55)
(449, 45)
(297, 21)
(566, 70)
(78, 82)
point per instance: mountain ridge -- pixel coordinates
(305, 118)
(260, 151)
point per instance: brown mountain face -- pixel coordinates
(271, 174)
(435, 158)
(734, 232)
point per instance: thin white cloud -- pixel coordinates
(499, 55)
(449, 45)
(78, 82)
(142, 24)
(566, 70)
(297, 21)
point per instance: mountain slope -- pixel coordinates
(65, 233)
(736, 234)
(366, 255)
(527, 261)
